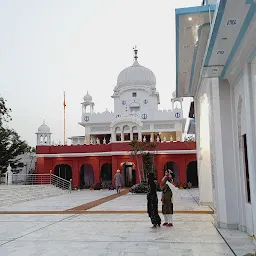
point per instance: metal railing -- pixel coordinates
(42, 179)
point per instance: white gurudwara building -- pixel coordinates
(136, 114)
(105, 145)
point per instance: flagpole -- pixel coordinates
(64, 105)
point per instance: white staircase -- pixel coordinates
(13, 194)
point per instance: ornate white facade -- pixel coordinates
(136, 114)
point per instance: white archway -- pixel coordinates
(127, 126)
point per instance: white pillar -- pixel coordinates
(225, 178)
(8, 175)
(131, 135)
(139, 135)
(113, 135)
(250, 103)
(203, 150)
(122, 135)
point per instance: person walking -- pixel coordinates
(152, 202)
(118, 181)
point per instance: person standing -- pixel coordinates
(118, 181)
(152, 202)
(168, 189)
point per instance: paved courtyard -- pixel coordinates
(103, 231)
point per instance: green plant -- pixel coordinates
(138, 149)
(189, 185)
(148, 164)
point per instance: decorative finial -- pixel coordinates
(135, 52)
(43, 121)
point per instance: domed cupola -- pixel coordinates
(87, 98)
(136, 75)
(44, 128)
(43, 135)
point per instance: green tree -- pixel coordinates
(137, 149)
(11, 145)
(147, 164)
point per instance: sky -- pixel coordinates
(51, 46)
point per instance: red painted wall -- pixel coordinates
(45, 164)
(119, 146)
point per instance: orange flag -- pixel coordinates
(64, 103)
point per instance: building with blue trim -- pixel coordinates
(216, 65)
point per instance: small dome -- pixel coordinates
(44, 128)
(136, 75)
(87, 97)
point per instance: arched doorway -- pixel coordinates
(86, 176)
(174, 167)
(106, 173)
(129, 174)
(118, 133)
(192, 175)
(63, 171)
(126, 132)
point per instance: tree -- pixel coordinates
(4, 112)
(11, 145)
(148, 158)
(147, 164)
(137, 147)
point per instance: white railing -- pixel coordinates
(41, 179)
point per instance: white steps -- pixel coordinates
(13, 194)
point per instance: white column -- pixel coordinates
(113, 134)
(131, 135)
(8, 175)
(139, 135)
(38, 139)
(250, 103)
(225, 178)
(203, 150)
(152, 136)
(122, 135)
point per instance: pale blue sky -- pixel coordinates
(48, 46)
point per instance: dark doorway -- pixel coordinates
(63, 171)
(106, 173)
(129, 174)
(192, 175)
(247, 177)
(173, 167)
(86, 176)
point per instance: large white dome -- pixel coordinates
(136, 75)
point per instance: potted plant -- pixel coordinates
(189, 185)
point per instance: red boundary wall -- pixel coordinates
(46, 163)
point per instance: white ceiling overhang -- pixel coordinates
(231, 44)
(232, 40)
(192, 32)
